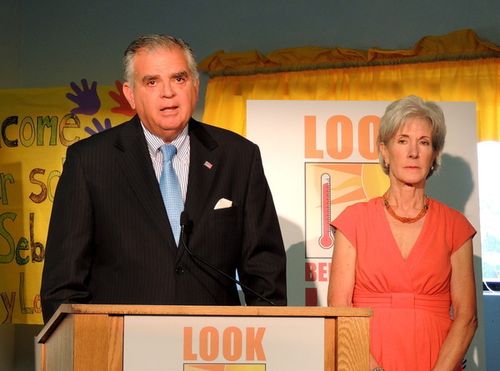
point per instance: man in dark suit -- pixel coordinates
(110, 239)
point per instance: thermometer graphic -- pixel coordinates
(326, 238)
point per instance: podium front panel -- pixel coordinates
(190, 343)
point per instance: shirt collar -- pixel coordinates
(154, 142)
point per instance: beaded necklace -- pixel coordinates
(404, 219)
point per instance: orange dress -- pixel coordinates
(410, 298)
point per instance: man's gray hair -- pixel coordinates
(152, 42)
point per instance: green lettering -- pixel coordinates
(22, 245)
(9, 255)
(22, 301)
(4, 178)
(46, 122)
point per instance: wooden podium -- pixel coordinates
(129, 337)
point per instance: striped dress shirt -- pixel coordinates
(180, 160)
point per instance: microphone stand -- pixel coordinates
(185, 222)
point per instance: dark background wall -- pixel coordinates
(50, 43)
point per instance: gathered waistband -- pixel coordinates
(401, 300)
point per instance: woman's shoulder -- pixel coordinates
(448, 215)
(367, 204)
(456, 225)
(442, 208)
(364, 207)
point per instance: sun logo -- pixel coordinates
(329, 188)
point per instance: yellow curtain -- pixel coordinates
(453, 67)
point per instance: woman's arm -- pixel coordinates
(463, 299)
(341, 284)
(342, 277)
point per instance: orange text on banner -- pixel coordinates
(339, 134)
(228, 343)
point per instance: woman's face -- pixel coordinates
(409, 153)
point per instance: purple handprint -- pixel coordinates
(86, 98)
(98, 126)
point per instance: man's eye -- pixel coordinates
(180, 78)
(151, 83)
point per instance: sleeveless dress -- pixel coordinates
(410, 297)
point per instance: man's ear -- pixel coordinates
(129, 94)
(197, 89)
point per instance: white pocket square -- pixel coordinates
(223, 203)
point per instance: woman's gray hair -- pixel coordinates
(152, 42)
(396, 115)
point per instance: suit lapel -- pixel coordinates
(137, 169)
(203, 169)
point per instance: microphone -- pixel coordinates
(186, 225)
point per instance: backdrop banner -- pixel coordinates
(321, 156)
(37, 125)
(326, 152)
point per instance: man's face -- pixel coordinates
(164, 92)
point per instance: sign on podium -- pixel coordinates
(195, 338)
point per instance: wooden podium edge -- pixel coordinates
(52, 324)
(342, 327)
(183, 310)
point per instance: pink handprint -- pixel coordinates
(123, 105)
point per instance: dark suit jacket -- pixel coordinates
(110, 241)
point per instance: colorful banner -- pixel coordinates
(327, 154)
(321, 156)
(37, 125)
(327, 159)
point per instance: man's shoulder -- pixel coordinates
(105, 137)
(208, 132)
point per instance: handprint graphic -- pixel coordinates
(123, 105)
(86, 98)
(98, 126)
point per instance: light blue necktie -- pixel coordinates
(171, 190)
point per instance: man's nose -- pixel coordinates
(167, 90)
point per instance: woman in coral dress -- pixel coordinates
(407, 256)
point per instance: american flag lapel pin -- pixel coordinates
(208, 165)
